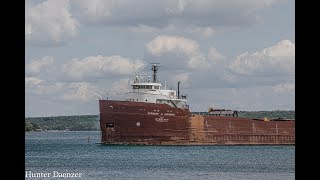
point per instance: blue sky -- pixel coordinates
(227, 54)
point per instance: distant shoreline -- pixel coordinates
(91, 122)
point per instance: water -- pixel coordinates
(70, 152)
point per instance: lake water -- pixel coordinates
(71, 152)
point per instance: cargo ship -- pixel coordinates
(154, 115)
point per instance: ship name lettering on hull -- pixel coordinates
(169, 114)
(161, 119)
(166, 114)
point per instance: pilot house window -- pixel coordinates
(142, 87)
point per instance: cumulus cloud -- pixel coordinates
(94, 67)
(42, 87)
(164, 44)
(36, 66)
(32, 81)
(55, 22)
(49, 23)
(61, 90)
(94, 11)
(185, 50)
(215, 56)
(58, 81)
(275, 60)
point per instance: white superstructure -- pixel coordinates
(152, 92)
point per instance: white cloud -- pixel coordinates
(49, 23)
(36, 66)
(276, 60)
(93, 11)
(165, 44)
(42, 87)
(32, 81)
(179, 47)
(55, 22)
(94, 67)
(58, 81)
(215, 56)
(60, 90)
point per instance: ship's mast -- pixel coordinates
(155, 69)
(178, 90)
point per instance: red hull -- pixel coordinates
(124, 122)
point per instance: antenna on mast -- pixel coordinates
(155, 68)
(88, 90)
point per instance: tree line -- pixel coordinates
(71, 123)
(91, 122)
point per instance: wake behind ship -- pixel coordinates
(154, 115)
